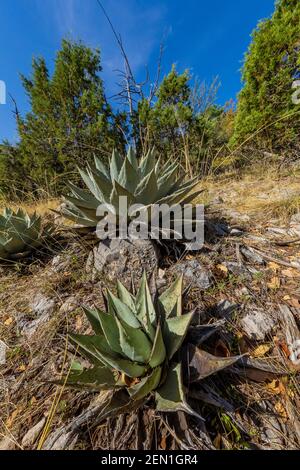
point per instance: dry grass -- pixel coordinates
(264, 193)
(41, 207)
(261, 192)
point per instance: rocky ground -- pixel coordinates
(245, 287)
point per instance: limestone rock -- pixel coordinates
(194, 273)
(33, 433)
(120, 258)
(3, 349)
(257, 323)
(42, 307)
(7, 444)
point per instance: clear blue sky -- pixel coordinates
(208, 37)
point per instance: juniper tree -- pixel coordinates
(69, 118)
(271, 66)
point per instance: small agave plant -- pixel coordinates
(20, 234)
(135, 347)
(142, 181)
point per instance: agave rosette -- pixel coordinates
(135, 346)
(20, 233)
(142, 181)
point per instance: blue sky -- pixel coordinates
(209, 38)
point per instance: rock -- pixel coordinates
(235, 232)
(3, 349)
(251, 255)
(291, 332)
(33, 433)
(194, 273)
(225, 308)
(237, 216)
(237, 269)
(277, 230)
(257, 239)
(243, 291)
(295, 219)
(7, 444)
(60, 263)
(126, 259)
(257, 323)
(69, 305)
(273, 434)
(42, 307)
(295, 230)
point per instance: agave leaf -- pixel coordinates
(83, 204)
(92, 345)
(157, 167)
(101, 167)
(116, 163)
(145, 308)
(83, 196)
(77, 216)
(118, 191)
(146, 192)
(178, 185)
(87, 213)
(178, 196)
(165, 167)
(14, 245)
(147, 163)
(110, 330)
(131, 155)
(116, 404)
(146, 385)
(97, 378)
(128, 177)
(16, 223)
(134, 343)
(103, 186)
(190, 198)
(90, 183)
(170, 300)
(202, 364)
(158, 353)
(170, 396)
(128, 367)
(93, 318)
(125, 296)
(123, 311)
(166, 181)
(3, 253)
(174, 332)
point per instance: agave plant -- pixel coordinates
(142, 181)
(135, 347)
(20, 234)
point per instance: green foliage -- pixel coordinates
(134, 347)
(142, 181)
(12, 174)
(181, 120)
(20, 234)
(69, 118)
(271, 65)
